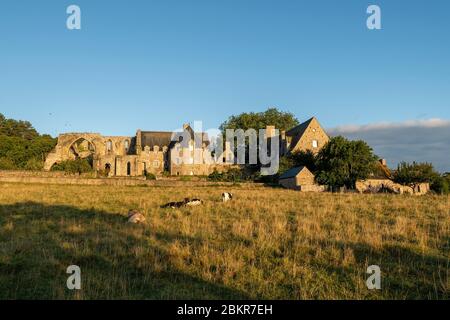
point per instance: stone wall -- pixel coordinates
(44, 174)
(305, 177)
(314, 132)
(312, 188)
(289, 183)
(386, 185)
(304, 181)
(70, 180)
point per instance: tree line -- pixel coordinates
(340, 163)
(21, 146)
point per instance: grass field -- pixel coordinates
(267, 244)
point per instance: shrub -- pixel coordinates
(413, 173)
(34, 164)
(6, 164)
(73, 166)
(441, 185)
(233, 175)
(149, 176)
(215, 176)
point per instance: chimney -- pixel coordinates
(383, 162)
(270, 131)
(138, 141)
(185, 126)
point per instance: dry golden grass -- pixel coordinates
(266, 244)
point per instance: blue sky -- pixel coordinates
(157, 64)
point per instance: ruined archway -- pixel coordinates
(82, 149)
(73, 146)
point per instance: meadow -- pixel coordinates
(268, 243)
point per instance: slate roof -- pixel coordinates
(293, 172)
(164, 138)
(155, 138)
(298, 131)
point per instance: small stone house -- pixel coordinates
(301, 179)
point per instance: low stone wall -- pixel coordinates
(312, 188)
(44, 174)
(116, 181)
(380, 185)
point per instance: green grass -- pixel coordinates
(267, 244)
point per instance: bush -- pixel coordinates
(441, 185)
(73, 166)
(215, 176)
(413, 173)
(34, 165)
(149, 176)
(6, 164)
(233, 175)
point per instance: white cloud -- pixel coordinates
(415, 140)
(430, 123)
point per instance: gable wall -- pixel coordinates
(305, 177)
(306, 141)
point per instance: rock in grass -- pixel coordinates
(135, 216)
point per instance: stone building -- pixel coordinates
(157, 152)
(307, 136)
(147, 151)
(300, 178)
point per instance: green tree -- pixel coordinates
(20, 143)
(34, 164)
(256, 120)
(17, 128)
(305, 158)
(78, 166)
(6, 164)
(413, 173)
(259, 120)
(342, 162)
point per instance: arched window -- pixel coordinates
(107, 169)
(128, 169)
(315, 144)
(109, 146)
(126, 145)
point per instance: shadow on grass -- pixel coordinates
(117, 260)
(406, 273)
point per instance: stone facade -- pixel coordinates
(147, 152)
(307, 136)
(300, 179)
(156, 152)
